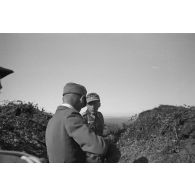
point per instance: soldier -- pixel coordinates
(68, 138)
(92, 117)
(95, 121)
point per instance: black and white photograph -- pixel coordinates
(97, 98)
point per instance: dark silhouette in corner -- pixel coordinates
(141, 160)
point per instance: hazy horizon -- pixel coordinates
(130, 72)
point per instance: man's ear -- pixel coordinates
(83, 100)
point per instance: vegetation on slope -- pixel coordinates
(163, 134)
(22, 128)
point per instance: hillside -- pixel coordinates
(163, 134)
(22, 128)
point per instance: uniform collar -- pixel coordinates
(69, 106)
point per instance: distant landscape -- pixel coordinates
(117, 120)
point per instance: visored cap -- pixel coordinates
(92, 97)
(4, 72)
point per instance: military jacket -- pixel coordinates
(68, 138)
(95, 122)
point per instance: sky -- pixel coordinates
(131, 72)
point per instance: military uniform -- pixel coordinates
(95, 121)
(68, 138)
